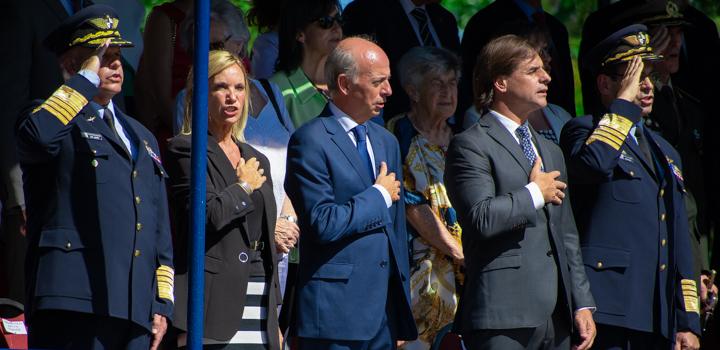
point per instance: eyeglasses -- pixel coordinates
(326, 22)
(219, 45)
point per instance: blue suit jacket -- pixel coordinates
(632, 223)
(353, 249)
(98, 234)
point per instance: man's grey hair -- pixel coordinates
(340, 61)
(421, 61)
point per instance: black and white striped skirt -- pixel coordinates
(252, 331)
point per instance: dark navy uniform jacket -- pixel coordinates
(632, 223)
(98, 234)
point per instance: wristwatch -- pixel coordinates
(289, 218)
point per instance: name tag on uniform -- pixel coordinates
(91, 136)
(626, 157)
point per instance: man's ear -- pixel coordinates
(300, 37)
(343, 83)
(500, 84)
(604, 85)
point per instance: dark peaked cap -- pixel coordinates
(88, 27)
(620, 47)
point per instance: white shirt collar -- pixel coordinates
(408, 6)
(343, 118)
(506, 122)
(109, 106)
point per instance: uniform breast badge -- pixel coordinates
(152, 153)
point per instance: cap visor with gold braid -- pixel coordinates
(89, 27)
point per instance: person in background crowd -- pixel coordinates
(266, 16)
(629, 195)
(429, 76)
(478, 32)
(240, 261)
(100, 263)
(397, 26)
(352, 286)
(163, 67)
(509, 187)
(549, 120)
(309, 30)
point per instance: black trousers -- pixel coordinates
(59, 329)
(619, 338)
(554, 333)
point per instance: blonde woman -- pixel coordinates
(240, 277)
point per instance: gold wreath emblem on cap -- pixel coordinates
(672, 9)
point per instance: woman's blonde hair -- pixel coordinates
(218, 61)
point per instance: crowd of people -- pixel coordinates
(373, 182)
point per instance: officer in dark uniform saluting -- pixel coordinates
(679, 117)
(99, 269)
(629, 207)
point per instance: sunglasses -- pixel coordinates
(326, 22)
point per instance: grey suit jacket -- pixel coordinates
(520, 261)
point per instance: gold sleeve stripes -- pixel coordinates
(166, 282)
(65, 103)
(612, 130)
(690, 295)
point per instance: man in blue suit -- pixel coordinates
(99, 269)
(352, 287)
(629, 207)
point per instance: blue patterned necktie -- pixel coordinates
(523, 134)
(360, 132)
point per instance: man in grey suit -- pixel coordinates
(525, 285)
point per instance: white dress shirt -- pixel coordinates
(510, 125)
(348, 124)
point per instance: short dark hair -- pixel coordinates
(501, 56)
(265, 14)
(297, 15)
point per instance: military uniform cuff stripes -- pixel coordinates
(612, 130)
(166, 282)
(690, 296)
(65, 103)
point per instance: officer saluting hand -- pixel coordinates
(99, 267)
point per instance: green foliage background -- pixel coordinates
(571, 12)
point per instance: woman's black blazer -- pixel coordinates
(226, 238)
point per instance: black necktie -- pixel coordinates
(110, 121)
(644, 146)
(420, 16)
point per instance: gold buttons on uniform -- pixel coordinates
(662, 192)
(662, 217)
(662, 267)
(94, 151)
(137, 200)
(137, 252)
(632, 173)
(68, 245)
(134, 174)
(599, 264)
(138, 227)
(663, 242)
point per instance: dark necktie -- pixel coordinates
(110, 121)
(523, 134)
(644, 146)
(420, 16)
(360, 132)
